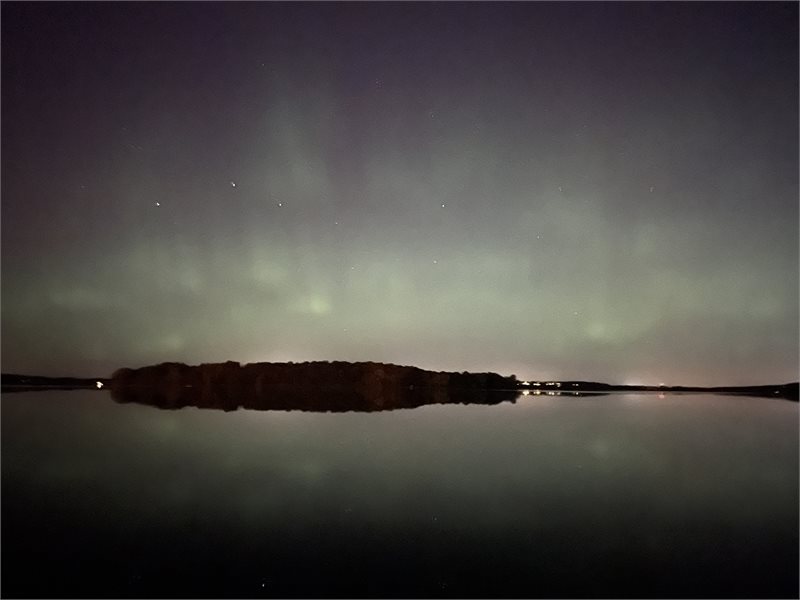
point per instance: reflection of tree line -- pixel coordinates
(314, 386)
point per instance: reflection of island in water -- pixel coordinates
(311, 386)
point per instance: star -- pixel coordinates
(158, 203)
(233, 184)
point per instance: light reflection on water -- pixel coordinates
(618, 495)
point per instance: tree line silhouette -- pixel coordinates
(317, 386)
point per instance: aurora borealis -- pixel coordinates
(593, 191)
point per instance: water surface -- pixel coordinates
(617, 495)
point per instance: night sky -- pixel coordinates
(593, 191)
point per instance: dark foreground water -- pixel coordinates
(611, 496)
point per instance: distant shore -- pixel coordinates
(369, 378)
(12, 382)
(788, 391)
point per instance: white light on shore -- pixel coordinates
(99, 384)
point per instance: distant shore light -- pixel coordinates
(99, 384)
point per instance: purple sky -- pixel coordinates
(598, 191)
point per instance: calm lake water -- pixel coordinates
(618, 495)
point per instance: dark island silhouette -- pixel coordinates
(337, 386)
(310, 386)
